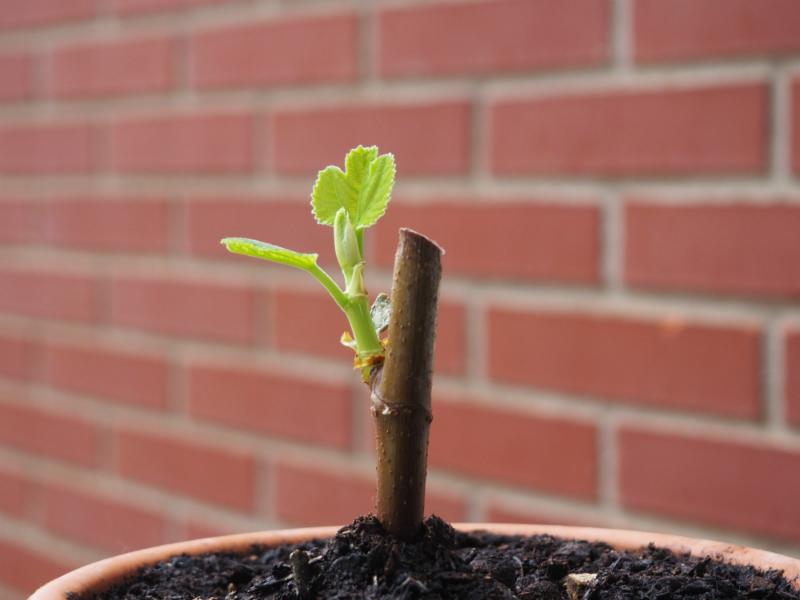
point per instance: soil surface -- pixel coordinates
(362, 562)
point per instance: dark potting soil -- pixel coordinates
(362, 562)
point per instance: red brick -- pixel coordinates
(187, 308)
(498, 512)
(272, 403)
(282, 52)
(20, 221)
(48, 294)
(108, 68)
(451, 339)
(108, 224)
(795, 120)
(534, 451)
(792, 375)
(25, 570)
(207, 143)
(101, 522)
(28, 13)
(426, 139)
(503, 240)
(447, 505)
(667, 363)
(728, 483)
(120, 377)
(492, 37)
(197, 469)
(28, 149)
(19, 358)
(306, 495)
(49, 434)
(193, 530)
(16, 77)
(693, 29)
(626, 132)
(135, 7)
(285, 222)
(17, 493)
(311, 322)
(749, 249)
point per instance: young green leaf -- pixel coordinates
(271, 252)
(376, 192)
(306, 262)
(357, 164)
(363, 189)
(331, 192)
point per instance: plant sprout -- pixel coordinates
(350, 201)
(397, 369)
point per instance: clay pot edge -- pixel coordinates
(105, 572)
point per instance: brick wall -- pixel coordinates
(616, 184)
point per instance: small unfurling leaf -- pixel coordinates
(345, 243)
(380, 312)
(347, 341)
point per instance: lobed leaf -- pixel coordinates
(357, 163)
(363, 189)
(331, 192)
(376, 192)
(270, 252)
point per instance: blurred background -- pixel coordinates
(615, 183)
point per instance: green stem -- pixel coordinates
(367, 341)
(356, 308)
(334, 290)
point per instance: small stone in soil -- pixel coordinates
(578, 584)
(363, 562)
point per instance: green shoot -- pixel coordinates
(350, 201)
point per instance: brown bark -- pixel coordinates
(401, 390)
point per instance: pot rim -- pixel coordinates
(103, 573)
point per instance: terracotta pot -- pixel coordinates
(101, 574)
